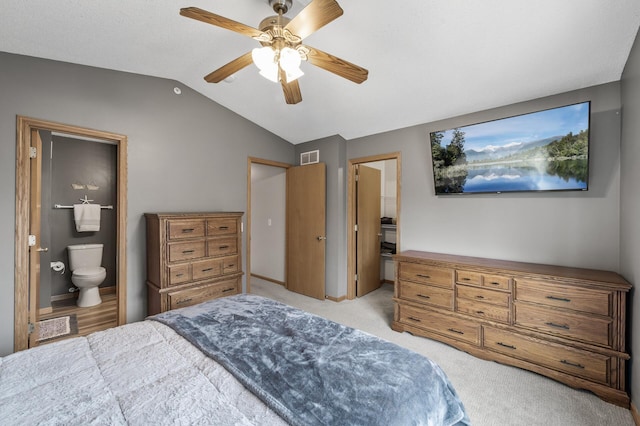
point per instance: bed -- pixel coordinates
(239, 360)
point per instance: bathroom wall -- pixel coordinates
(91, 166)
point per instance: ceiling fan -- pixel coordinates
(282, 48)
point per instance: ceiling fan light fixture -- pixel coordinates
(290, 63)
(265, 60)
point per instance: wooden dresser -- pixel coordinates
(192, 257)
(564, 323)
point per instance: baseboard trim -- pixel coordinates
(262, 277)
(45, 311)
(634, 413)
(336, 299)
(103, 290)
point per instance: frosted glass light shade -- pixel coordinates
(265, 60)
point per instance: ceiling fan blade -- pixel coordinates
(220, 21)
(229, 69)
(292, 94)
(316, 15)
(336, 65)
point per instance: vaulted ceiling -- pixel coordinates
(427, 59)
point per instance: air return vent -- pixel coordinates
(310, 157)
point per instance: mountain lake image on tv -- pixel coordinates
(540, 151)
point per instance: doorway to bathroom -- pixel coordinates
(89, 167)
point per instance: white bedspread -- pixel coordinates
(138, 374)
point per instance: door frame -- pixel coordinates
(250, 162)
(24, 127)
(351, 212)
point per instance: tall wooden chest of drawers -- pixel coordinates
(192, 257)
(564, 323)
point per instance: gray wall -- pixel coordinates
(185, 153)
(579, 229)
(630, 205)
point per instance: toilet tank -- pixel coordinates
(85, 255)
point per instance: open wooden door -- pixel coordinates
(306, 229)
(368, 230)
(34, 235)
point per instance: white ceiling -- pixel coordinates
(427, 59)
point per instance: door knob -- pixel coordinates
(42, 249)
(320, 238)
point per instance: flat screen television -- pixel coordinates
(540, 151)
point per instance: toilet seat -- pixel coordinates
(89, 272)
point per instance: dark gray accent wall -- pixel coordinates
(630, 205)
(185, 152)
(89, 164)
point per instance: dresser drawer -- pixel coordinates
(194, 295)
(566, 297)
(230, 265)
(584, 364)
(180, 229)
(423, 293)
(440, 277)
(221, 226)
(186, 250)
(479, 279)
(449, 326)
(222, 246)
(179, 274)
(483, 310)
(574, 326)
(206, 269)
(483, 295)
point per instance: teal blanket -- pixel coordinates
(313, 371)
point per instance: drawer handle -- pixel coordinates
(423, 276)
(453, 330)
(504, 345)
(466, 279)
(479, 297)
(179, 275)
(187, 230)
(224, 228)
(562, 326)
(413, 319)
(480, 312)
(424, 296)
(180, 302)
(207, 270)
(187, 251)
(494, 283)
(572, 364)
(560, 299)
(223, 247)
(230, 266)
(228, 289)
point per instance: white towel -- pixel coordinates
(87, 217)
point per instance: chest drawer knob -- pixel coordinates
(453, 330)
(226, 290)
(187, 230)
(572, 364)
(504, 345)
(562, 326)
(187, 251)
(424, 296)
(180, 302)
(560, 299)
(423, 276)
(224, 247)
(414, 319)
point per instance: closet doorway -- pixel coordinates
(361, 246)
(32, 255)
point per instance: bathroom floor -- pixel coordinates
(90, 319)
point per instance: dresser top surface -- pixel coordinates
(514, 267)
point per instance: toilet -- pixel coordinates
(87, 274)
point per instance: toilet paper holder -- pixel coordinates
(58, 266)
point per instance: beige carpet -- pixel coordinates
(493, 394)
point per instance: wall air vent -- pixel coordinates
(310, 157)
